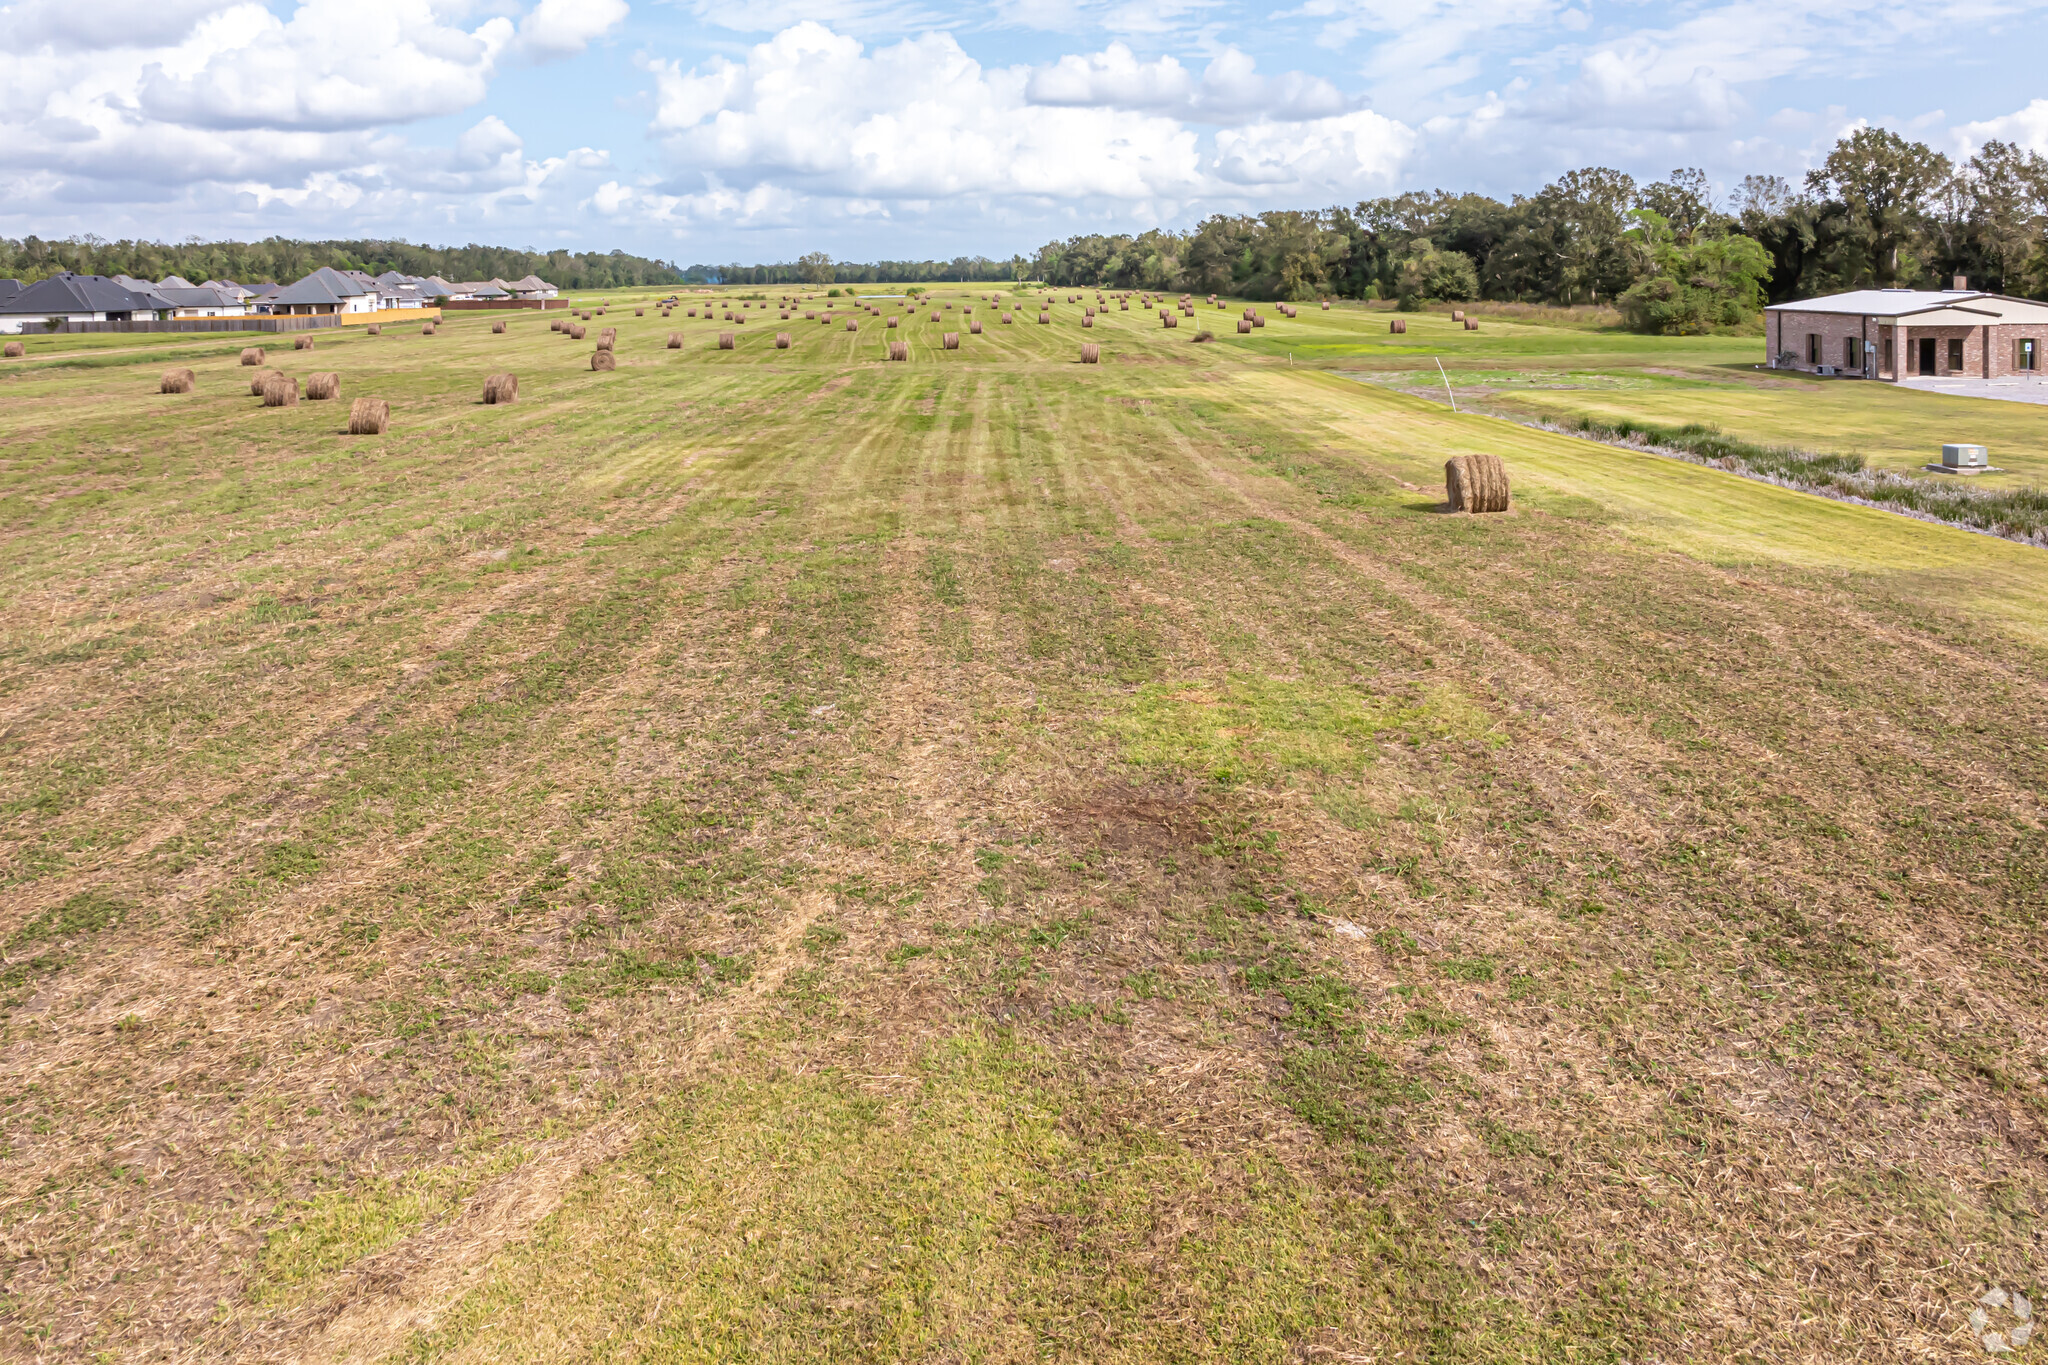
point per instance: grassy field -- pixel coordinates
(778, 855)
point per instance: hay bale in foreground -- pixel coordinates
(782, 341)
(639, 312)
(1471, 324)
(725, 341)
(951, 341)
(427, 330)
(323, 385)
(974, 326)
(373, 330)
(1170, 319)
(935, 315)
(604, 343)
(576, 333)
(675, 341)
(1088, 320)
(14, 350)
(1457, 315)
(302, 343)
(251, 355)
(899, 350)
(1044, 317)
(892, 322)
(497, 329)
(176, 381)
(1476, 483)
(281, 391)
(603, 361)
(501, 388)
(1398, 325)
(1091, 354)
(259, 379)
(368, 417)
(1006, 319)
(852, 325)
(1243, 326)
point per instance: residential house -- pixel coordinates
(1898, 334)
(201, 301)
(261, 298)
(325, 292)
(68, 297)
(8, 289)
(532, 287)
(230, 288)
(173, 282)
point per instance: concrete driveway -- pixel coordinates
(2005, 390)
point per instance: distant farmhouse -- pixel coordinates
(1900, 334)
(68, 301)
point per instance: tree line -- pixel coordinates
(1880, 211)
(282, 260)
(817, 268)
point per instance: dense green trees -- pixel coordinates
(282, 260)
(1880, 210)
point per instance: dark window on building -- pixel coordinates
(1813, 348)
(1926, 355)
(2025, 353)
(1852, 354)
(1955, 355)
(1888, 353)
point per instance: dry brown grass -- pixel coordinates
(368, 417)
(323, 385)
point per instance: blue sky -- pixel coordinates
(718, 130)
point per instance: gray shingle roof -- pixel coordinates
(69, 293)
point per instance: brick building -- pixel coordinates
(1899, 334)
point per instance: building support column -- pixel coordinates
(1899, 344)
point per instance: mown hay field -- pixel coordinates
(783, 855)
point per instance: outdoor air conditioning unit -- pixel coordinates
(1828, 370)
(1965, 456)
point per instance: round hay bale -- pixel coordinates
(176, 381)
(1044, 318)
(604, 343)
(1258, 322)
(368, 417)
(639, 312)
(725, 341)
(1476, 483)
(13, 350)
(1457, 315)
(1169, 319)
(899, 350)
(1091, 354)
(497, 329)
(555, 326)
(1243, 326)
(1398, 325)
(603, 361)
(693, 312)
(782, 341)
(1471, 324)
(1124, 304)
(302, 343)
(427, 330)
(373, 330)
(1250, 313)
(324, 385)
(501, 388)
(892, 322)
(810, 315)
(577, 333)
(1326, 305)
(258, 380)
(1006, 319)
(851, 325)
(974, 326)
(675, 341)
(281, 391)
(251, 355)
(935, 315)
(951, 341)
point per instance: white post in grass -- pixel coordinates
(1447, 384)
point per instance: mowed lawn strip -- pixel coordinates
(786, 854)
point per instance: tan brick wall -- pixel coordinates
(1801, 333)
